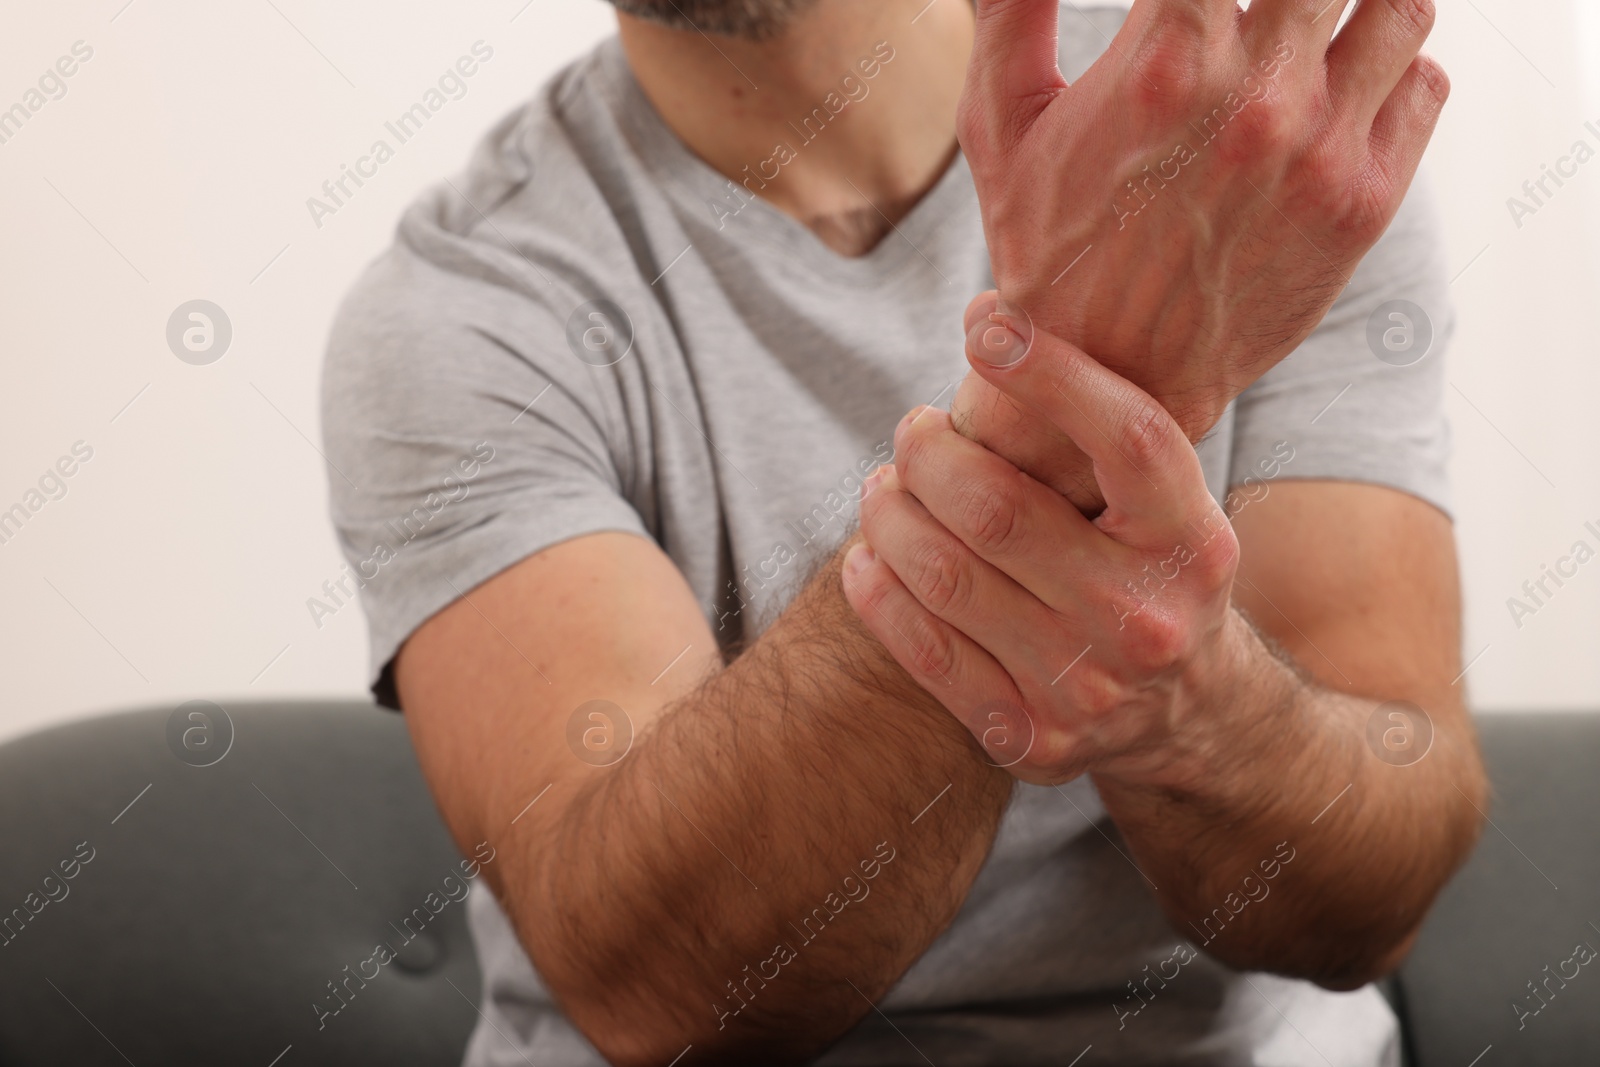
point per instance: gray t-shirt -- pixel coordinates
(591, 330)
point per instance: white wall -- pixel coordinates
(178, 165)
(1525, 377)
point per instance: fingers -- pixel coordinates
(1308, 25)
(941, 659)
(1146, 468)
(964, 678)
(1375, 51)
(1405, 123)
(950, 580)
(1209, 15)
(1016, 51)
(1025, 529)
(1016, 59)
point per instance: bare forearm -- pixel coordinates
(806, 821)
(1297, 849)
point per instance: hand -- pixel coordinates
(1191, 207)
(1063, 644)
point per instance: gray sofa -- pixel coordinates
(179, 890)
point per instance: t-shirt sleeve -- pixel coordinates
(462, 435)
(1362, 398)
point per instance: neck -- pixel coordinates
(844, 122)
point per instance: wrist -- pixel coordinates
(1230, 710)
(1196, 412)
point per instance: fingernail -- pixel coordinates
(1001, 339)
(858, 559)
(872, 482)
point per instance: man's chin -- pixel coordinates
(751, 20)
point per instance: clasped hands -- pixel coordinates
(1185, 214)
(1063, 643)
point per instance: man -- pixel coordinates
(603, 414)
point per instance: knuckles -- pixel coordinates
(1097, 696)
(990, 517)
(1373, 199)
(1356, 196)
(1146, 437)
(932, 647)
(1416, 16)
(1217, 561)
(940, 577)
(1169, 606)
(1270, 127)
(1054, 757)
(1170, 72)
(1158, 641)
(1433, 77)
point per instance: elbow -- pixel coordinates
(1375, 966)
(1381, 955)
(662, 1049)
(647, 1027)
(638, 1046)
(630, 1023)
(645, 1000)
(629, 1033)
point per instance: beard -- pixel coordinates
(751, 20)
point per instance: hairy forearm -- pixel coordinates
(780, 846)
(1292, 847)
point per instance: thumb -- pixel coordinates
(1145, 466)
